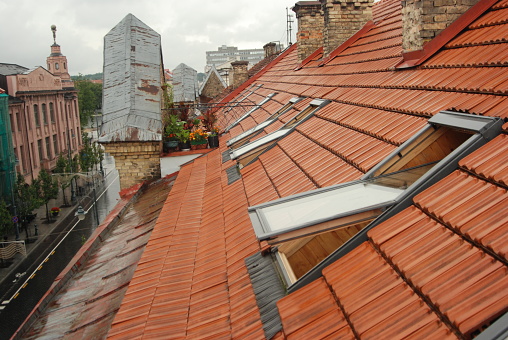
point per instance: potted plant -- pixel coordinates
(198, 139)
(55, 211)
(213, 137)
(183, 139)
(173, 127)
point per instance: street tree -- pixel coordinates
(89, 98)
(6, 223)
(64, 174)
(26, 199)
(48, 189)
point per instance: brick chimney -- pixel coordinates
(270, 49)
(342, 19)
(422, 20)
(310, 27)
(240, 73)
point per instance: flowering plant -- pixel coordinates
(214, 131)
(198, 136)
(55, 209)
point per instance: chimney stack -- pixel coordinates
(422, 20)
(270, 49)
(310, 27)
(342, 19)
(240, 73)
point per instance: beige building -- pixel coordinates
(43, 109)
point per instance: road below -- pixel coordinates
(19, 295)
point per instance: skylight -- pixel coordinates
(309, 227)
(243, 137)
(248, 152)
(312, 208)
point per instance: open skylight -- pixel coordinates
(244, 137)
(309, 227)
(248, 152)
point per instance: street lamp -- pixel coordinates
(80, 213)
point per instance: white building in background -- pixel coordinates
(226, 54)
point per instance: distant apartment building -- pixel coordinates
(226, 54)
(43, 112)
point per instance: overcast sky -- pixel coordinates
(188, 28)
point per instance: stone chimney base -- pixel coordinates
(135, 161)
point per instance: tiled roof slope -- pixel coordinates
(192, 281)
(436, 270)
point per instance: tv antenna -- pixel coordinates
(289, 21)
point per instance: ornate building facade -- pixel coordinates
(44, 114)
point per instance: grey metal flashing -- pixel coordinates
(233, 174)
(496, 331)
(268, 289)
(442, 169)
(464, 121)
(226, 156)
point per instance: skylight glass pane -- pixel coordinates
(327, 205)
(249, 132)
(257, 143)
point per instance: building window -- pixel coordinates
(39, 147)
(48, 148)
(36, 115)
(22, 159)
(44, 114)
(55, 144)
(18, 121)
(57, 66)
(51, 112)
(11, 117)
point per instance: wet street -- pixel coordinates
(20, 293)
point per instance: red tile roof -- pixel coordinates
(435, 270)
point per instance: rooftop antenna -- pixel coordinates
(289, 21)
(53, 29)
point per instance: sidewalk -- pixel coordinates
(43, 230)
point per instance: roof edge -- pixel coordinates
(415, 58)
(348, 42)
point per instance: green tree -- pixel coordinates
(27, 199)
(6, 223)
(64, 170)
(89, 98)
(47, 189)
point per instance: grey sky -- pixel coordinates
(188, 28)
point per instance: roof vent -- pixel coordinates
(233, 174)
